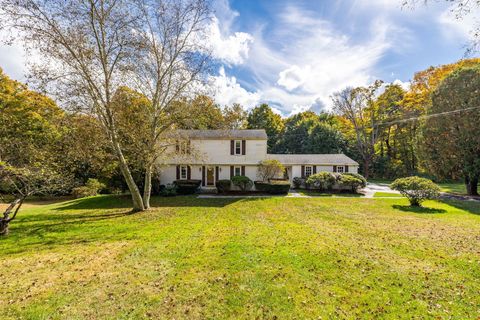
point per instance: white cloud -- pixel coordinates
(228, 91)
(404, 84)
(231, 49)
(293, 77)
(453, 26)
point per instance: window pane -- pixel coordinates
(308, 171)
(238, 171)
(340, 169)
(238, 147)
(183, 172)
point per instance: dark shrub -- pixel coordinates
(416, 189)
(321, 181)
(169, 190)
(187, 186)
(223, 186)
(273, 187)
(243, 182)
(297, 182)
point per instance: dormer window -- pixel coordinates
(183, 147)
(238, 147)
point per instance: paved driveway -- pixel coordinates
(371, 188)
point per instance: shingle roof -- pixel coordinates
(314, 159)
(224, 134)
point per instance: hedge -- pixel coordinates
(187, 186)
(273, 187)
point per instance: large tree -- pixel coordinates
(450, 135)
(357, 107)
(263, 117)
(90, 49)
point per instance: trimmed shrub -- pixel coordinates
(223, 186)
(297, 182)
(169, 190)
(91, 188)
(187, 186)
(243, 182)
(322, 180)
(273, 187)
(349, 182)
(416, 189)
(358, 176)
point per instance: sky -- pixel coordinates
(294, 54)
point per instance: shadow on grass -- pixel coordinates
(418, 209)
(472, 207)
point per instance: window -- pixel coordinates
(237, 171)
(183, 172)
(238, 147)
(340, 169)
(308, 171)
(183, 147)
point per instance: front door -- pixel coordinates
(210, 176)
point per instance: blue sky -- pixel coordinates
(295, 54)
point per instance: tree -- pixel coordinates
(450, 139)
(357, 106)
(416, 189)
(21, 182)
(91, 49)
(263, 117)
(269, 169)
(234, 117)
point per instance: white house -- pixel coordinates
(212, 155)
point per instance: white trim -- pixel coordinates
(181, 172)
(235, 147)
(311, 171)
(343, 169)
(235, 171)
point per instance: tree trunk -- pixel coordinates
(3, 227)
(366, 170)
(472, 186)
(132, 186)
(147, 189)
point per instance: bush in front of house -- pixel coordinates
(416, 189)
(358, 176)
(350, 182)
(169, 190)
(273, 187)
(243, 182)
(269, 169)
(223, 186)
(321, 181)
(187, 186)
(298, 182)
(91, 188)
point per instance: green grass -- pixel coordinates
(450, 187)
(275, 258)
(313, 193)
(386, 195)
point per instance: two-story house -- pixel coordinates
(212, 155)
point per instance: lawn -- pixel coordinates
(450, 187)
(274, 258)
(387, 195)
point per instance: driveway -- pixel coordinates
(372, 188)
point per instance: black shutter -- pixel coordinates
(346, 168)
(177, 146)
(303, 171)
(334, 168)
(217, 173)
(231, 172)
(243, 170)
(203, 176)
(188, 147)
(232, 147)
(178, 172)
(314, 169)
(189, 172)
(244, 146)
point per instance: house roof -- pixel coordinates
(313, 159)
(224, 134)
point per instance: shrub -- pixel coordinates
(243, 182)
(358, 176)
(187, 186)
(349, 181)
(297, 182)
(169, 190)
(91, 188)
(273, 187)
(322, 180)
(269, 169)
(223, 186)
(416, 189)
